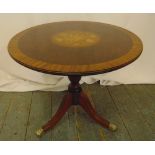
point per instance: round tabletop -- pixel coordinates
(75, 48)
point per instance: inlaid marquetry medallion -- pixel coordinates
(75, 39)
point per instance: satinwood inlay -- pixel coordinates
(75, 39)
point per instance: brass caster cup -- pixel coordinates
(112, 127)
(39, 132)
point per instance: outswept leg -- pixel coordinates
(86, 105)
(66, 103)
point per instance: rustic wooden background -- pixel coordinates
(131, 107)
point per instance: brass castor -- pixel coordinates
(112, 127)
(39, 132)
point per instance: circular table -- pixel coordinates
(75, 49)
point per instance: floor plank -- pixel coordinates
(85, 125)
(130, 113)
(64, 130)
(14, 127)
(144, 99)
(106, 108)
(5, 102)
(74, 135)
(130, 107)
(40, 113)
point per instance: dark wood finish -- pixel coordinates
(86, 105)
(75, 49)
(81, 48)
(66, 103)
(75, 96)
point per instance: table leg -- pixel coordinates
(75, 96)
(66, 103)
(86, 105)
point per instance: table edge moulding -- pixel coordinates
(84, 70)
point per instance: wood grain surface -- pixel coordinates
(75, 48)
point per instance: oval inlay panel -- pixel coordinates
(75, 39)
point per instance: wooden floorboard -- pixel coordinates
(64, 130)
(105, 106)
(145, 100)
(5, 102)
(14, 126)
(39, 113)
(85, 125)
(131, 114)
(74, 135)
(130, 107)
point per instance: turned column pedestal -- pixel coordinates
(75, 96)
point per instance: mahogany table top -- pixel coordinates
(75, 48)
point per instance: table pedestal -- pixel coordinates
(75, 96)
